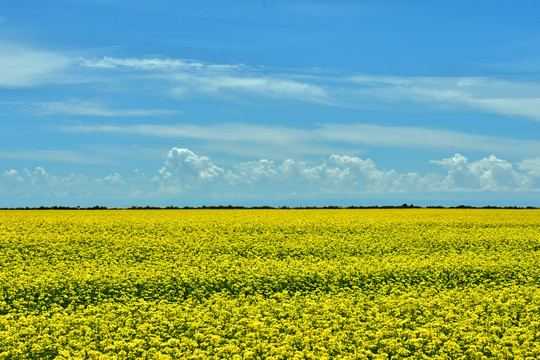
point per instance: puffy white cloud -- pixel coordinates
(189, 166)
(359, 174)
(339, 174)
(74, 181)
(488, 173)
(12, 176)
(114, 179)
(255, 171)
(185, 170)
(40, 177)
(531, 165)
(39, 184)
(188, 175)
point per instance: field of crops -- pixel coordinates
(270, 284)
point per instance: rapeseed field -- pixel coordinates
(270, 284)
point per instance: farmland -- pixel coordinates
(270, 284)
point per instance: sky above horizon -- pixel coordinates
(296, 103)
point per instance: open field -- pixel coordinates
(248, 284)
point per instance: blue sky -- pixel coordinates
(297, 103)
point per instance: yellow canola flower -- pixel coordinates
(272, 284)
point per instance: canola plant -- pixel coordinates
(270, 284)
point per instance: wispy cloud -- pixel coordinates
(192, 77)
(333, 136)
(88, 108)
(22, 66)
(148, 64)
(67, 156)
(521, 98)
(263, 86)
(196, 78)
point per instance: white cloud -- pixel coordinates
(191, 77)
(523, 107)
(40, 184)
(12, 176)
(190, 166)
(188, 175)
(184, 169)
(530, 165)
(492, 95)
(57, 156)
(114, 179)
(235, 81)
(488, 173)
(325, 138)
(88, 108)
(40, 177)
(22, 66)
(74, 181)
(156, 64)
(273, 87)
(339, 175)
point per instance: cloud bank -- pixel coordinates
(186, 175)
(342, 175)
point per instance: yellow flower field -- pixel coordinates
(270, 284)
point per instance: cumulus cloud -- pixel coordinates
(188, 175)
(184, 170)
(115, 179)
(74, 181)
(189, 166)
(12, 176)
(338, 174)
(41, 178)
(530, 165)
(488, 173)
